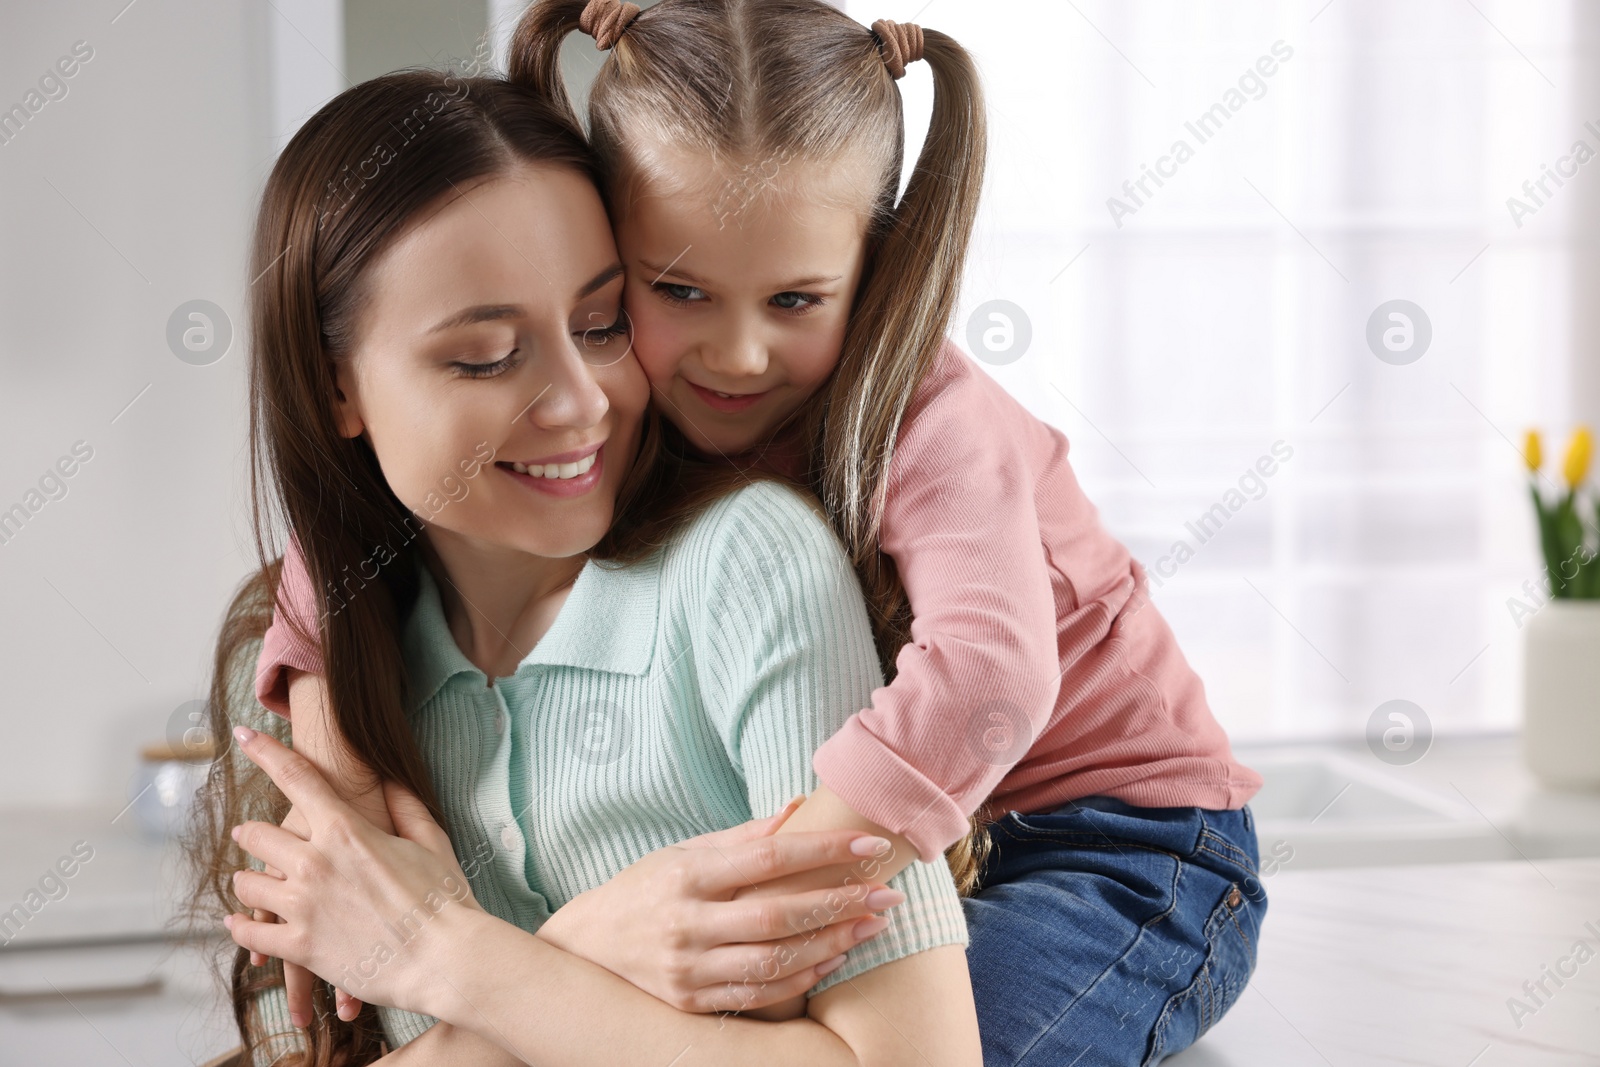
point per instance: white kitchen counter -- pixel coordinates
(1360, 965)
(1414, 966)
(98, 973)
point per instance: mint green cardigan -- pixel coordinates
(672, 697)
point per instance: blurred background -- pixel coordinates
(1295, 279)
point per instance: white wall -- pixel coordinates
(119, 202)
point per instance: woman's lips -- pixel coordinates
(725, 403)
(562, 487)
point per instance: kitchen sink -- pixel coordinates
(1322, 809)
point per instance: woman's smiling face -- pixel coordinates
(493, 327)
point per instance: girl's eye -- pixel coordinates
(797, 302)
(489, 370)
(678, 294)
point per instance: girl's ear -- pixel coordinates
(347, 411)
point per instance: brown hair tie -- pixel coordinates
(604, 20)
(900, 43)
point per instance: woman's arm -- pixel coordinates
(449, 1046)
(917, 1010)
(392, 916)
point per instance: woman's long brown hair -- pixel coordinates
(370, 162)
(762, 83)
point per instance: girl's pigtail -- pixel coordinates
(912, 283)
(533, 58)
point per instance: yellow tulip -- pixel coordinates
(1579, 451)
(1532, 452)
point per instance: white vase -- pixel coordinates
(1561, 694)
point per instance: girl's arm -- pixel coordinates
(317, 739)
(978, 682)
(289, 681)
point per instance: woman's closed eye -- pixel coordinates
(472, 369)
(598, 334)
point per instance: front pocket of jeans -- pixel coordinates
(1231, 936)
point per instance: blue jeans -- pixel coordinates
(1107, 934)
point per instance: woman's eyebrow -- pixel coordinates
(599, 280)
(479, 313)
(469, 316)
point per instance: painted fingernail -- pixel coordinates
(868, 846)
(868, 927)
(831, 966)
(243, 734)
(884, 898)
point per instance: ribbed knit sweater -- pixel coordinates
(670, 698)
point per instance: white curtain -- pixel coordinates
(1339, 156)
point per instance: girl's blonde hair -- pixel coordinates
(771, 83)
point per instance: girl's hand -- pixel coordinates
(670, 924)
(366, 911)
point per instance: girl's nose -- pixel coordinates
(737, 355)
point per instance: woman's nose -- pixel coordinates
(571, 397)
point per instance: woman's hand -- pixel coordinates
(296, 979)
(364, 910)
(670, 924)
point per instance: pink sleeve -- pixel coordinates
(979, 680)
(285, 645)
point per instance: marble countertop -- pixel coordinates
(1421, 965)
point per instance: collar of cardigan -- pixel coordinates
(608, 623)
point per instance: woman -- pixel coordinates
(434, 314)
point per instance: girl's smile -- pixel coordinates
(726, 402)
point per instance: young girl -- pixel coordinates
(422, 338)
(791, 313)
